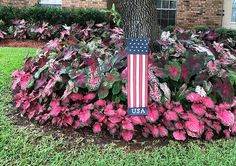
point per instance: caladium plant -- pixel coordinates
(80, 80)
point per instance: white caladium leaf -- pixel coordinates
(200, 90)
(166, 90)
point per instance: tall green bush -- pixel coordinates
(52, 15)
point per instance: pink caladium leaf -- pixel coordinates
(89, 97)
(99, 116)
(209, 135)
(179, 126)
(207, 101)
(109, 111)
(76, 97)
(127, 135)
(233, 129)
(24, 80)
(155, 131)
(67, 120)
(100, 103)
(124, 74)
(179, 135)
(171, 115)
(152, 116)
(193, 97)
(194, 128)
(174, 70)
(127, 125)
(163, 131)
(178, 109)
(226, 117)
(198, 109)
(115, 119)
(217, 127)
(136, 120)
(84, 116)
(227, 133)
(121, 112)
(55, 107)
(97, 127)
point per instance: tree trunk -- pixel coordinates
(139, 18)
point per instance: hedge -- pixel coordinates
(53, 16)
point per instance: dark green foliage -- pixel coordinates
(201, 28)
(226, 33)
(53, 16)
(170, 28)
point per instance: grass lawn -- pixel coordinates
(31, 146)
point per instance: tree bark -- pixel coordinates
(139, 19)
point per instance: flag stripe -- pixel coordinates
(135, 80)
(143, 82)
(146, 80)
(131, 81)
(128, 90)
(141, 103)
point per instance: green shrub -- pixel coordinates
(226, 33)
(2, 25)
(169, 28)
(52, 15)
(201, 28)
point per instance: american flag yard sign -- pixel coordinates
(137, 76)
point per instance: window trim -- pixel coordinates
(233, 8)
(57, 4)
(168, 9)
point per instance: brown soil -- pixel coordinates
(21, 43)
(86, 135)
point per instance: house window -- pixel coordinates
(233, 18)
(50, 3)
(166, 10)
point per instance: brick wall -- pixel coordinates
(199, 12)
(19, 3)
(65, 3)
(100, 4)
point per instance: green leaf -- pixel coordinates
(37, 74)
(103, 92)
(117, 99)
(30, 83)
(232, 77)
(116, 88)
(208, 87)
(111, 78)
(123, 97)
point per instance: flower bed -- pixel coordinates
(80, 80)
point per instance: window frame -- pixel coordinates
(51, 4)
(160, 9)
(233, 11)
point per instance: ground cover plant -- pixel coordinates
(80, 80)
(23, 143)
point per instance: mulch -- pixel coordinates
(86, 135)
(21, 43)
